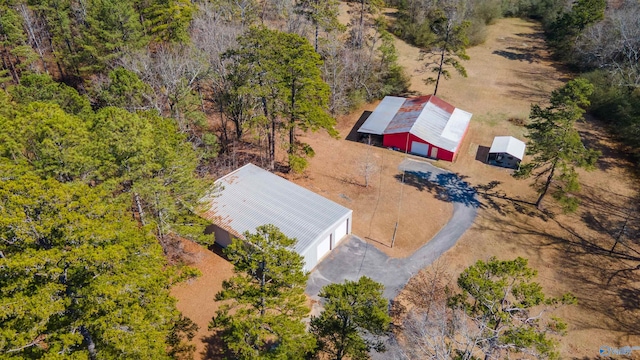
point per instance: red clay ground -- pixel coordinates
(195, 297)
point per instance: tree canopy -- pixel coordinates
(497, 311)
(285, 79)
(354, 318)
(79, 278)
(70, 178)
(556, 145)
(500, 297)
(266, 298)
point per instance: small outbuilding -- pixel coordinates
(424, 125)
(250, 197)
(506, 151)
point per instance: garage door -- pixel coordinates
(341, 231)
(324, 247)
(420, 148)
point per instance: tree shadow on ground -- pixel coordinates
(614, 215)
(605, 280)
(447, 187)
(593, 140)
(594, 135)
(538, 35)
(215, 347)
(499, 201)
(530, 57)
(530, 85)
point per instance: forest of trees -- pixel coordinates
(116, 115)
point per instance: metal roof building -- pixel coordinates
(506, 151)
(378, 121)
(250, 197)
(424, 125)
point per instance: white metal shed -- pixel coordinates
(250, 197)
(506, 151)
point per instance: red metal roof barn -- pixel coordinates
(424, 125)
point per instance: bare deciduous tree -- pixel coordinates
(614, 44)
(367, 166)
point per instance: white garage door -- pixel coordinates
(341, 231)
(420, 148)
(324, 247)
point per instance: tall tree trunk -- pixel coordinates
(444, 49)
(272, 147)
(136, 198)
(292, 120)
(435, 91)
(546, 185)
(315, 22)
(8, 64)
(30, 25)
(91, 346)
(360, 36)
(263, 282)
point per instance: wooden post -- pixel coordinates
(393, 239)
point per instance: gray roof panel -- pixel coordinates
(378, 121)
(251, 197)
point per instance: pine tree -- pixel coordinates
(263, 318)
(286, 80)
(79, 278)
(499, 297)
(556, 146)
(447, 47)
(323, 14)
(111, 27)
(355, 315)
(15, 53)
(169, 20)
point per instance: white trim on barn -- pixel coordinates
(250, 197)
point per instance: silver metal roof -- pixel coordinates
(378, 121)
(509, 145)
(250, 197)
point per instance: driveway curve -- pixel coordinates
(355, 257)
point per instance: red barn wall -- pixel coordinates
(400, 141)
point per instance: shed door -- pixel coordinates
(341, 231)
(434, 152)
(420, 148)
(324, 247)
